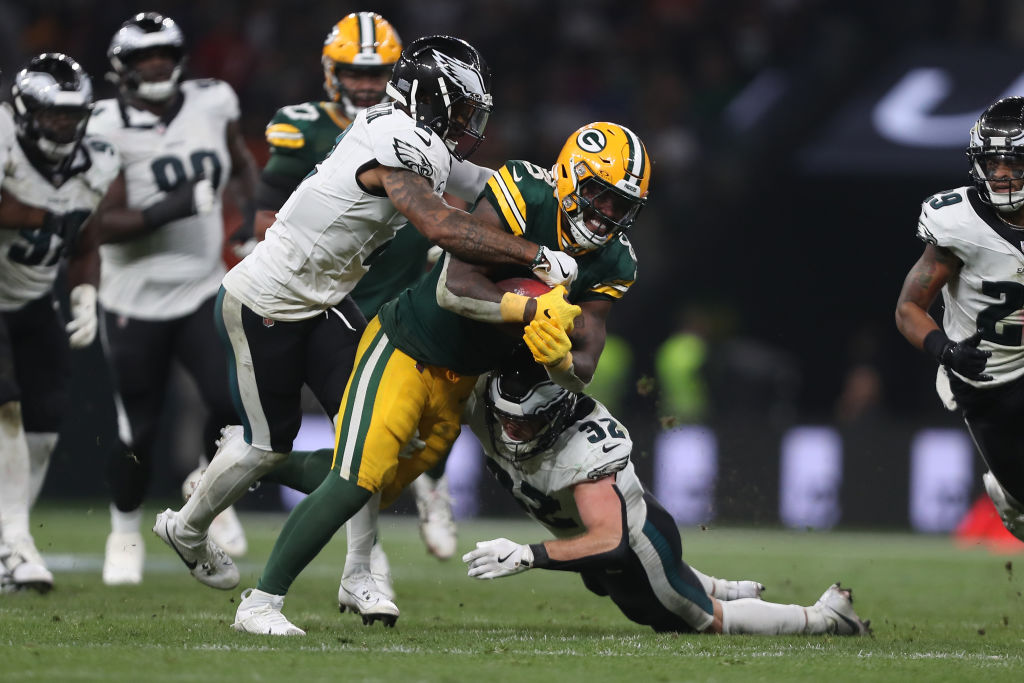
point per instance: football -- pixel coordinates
(526, 286)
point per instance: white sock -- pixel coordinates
(227, 478)
(40, 448)
(361, 532)
(125, 522)
(757, 617)
(724, 589)
(14, 473)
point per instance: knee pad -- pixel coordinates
(1010, 511)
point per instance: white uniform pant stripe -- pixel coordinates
(245, 374)
(358, 410)
(668, 596)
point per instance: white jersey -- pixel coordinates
(988, 293)
(596, 445)
(329, 228)
(32, 257)
(170, 271)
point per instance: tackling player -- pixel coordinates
(53, 176)
(162, 230)
(566, 461)
(974, 255)
(285, 310)
(418, 360)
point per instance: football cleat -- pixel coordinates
(124, 558)
(22, 567)
(206, 561)
(380, 570)
(836, 605)
(437, 523)
(260, 613)
(360, 594)
(226, 530)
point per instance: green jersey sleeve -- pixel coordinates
(300, 136)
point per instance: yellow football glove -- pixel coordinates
(553, 306)
(548, 343)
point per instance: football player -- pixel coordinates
(974, 237)
(419, 358)
(285, 310)
(566, 460)
(358, 56)
(53, 178)
(162, 230)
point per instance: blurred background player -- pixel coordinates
(974, 254)
(162, 229)
(419, 358)
(566, 460)
(53, 176)
(285, 309)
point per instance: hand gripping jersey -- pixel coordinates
(988, 293)
(170, 271)
(32, 257)
(595, 445)
(300, 136)
(523, 196)
(330, 230)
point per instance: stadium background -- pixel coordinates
(793, 142)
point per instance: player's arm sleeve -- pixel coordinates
(405, 148)
(467, 180)
(288, 164)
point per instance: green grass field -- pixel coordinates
(939, 614)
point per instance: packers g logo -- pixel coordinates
(591, 140)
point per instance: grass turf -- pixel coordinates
(939, 613)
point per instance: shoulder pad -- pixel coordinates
(217, 93)
(946, 217)
(285, 135)
(398, 142)
(512, 189)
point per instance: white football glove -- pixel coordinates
(82, 328)
(556, 268)
(500, 557)
(203, 196)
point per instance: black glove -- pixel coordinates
(191, 197)
(962, 357)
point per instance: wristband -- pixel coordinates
(540, 556)
(538, 259)
(513, 307)
(935, 343)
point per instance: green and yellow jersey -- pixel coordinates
(300, 136)
(523, 196)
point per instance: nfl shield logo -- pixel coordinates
(267, 322)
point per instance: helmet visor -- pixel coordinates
(62, 125)
(605, 209)
(466, 123)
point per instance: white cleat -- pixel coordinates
(380, 570)
(836, 605)
(437, 523)
(360, 594)
(124, 558)
(226, 529)
(206, 561)
(260, 613)
(22, 567)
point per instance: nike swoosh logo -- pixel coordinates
(852, 624)
(515, 175)
(609, 447)
(502, 559)
(191, 565)
(426, 140)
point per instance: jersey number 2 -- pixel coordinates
(1012, 295)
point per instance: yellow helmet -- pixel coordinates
(601, 179)
(363, 43)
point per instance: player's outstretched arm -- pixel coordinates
(605, 542)
(244, 179)
(455, 231)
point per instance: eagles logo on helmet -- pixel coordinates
(362, 49)
(997, 143)
(602, 176)
(145, 34)
(52, 98)
(444, 84)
